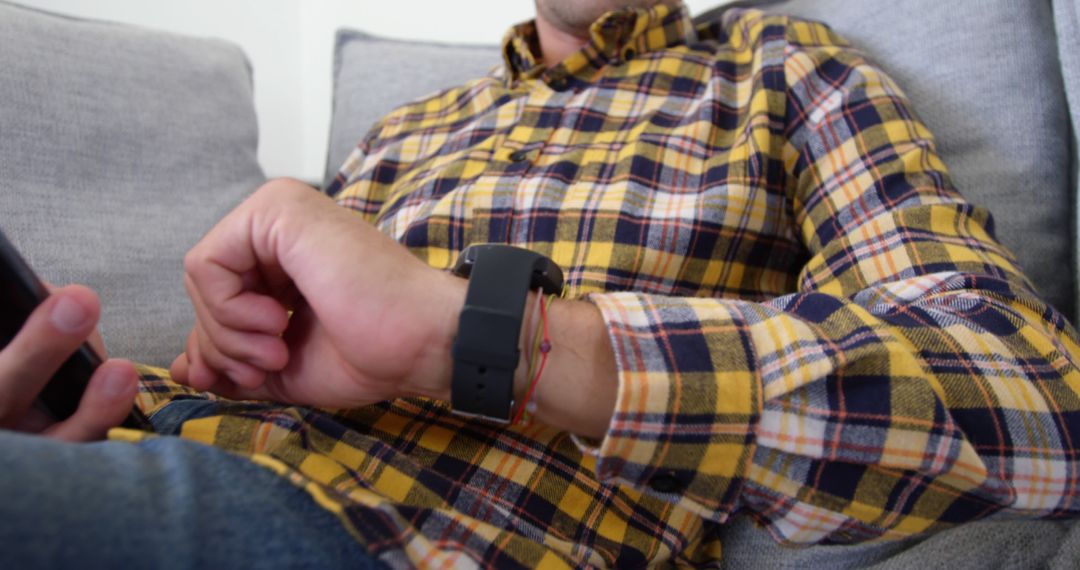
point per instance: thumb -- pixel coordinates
(107, 401)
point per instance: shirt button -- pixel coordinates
(665, 482)
(519, 156)
(559, 83)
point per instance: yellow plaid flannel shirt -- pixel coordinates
(810, 324)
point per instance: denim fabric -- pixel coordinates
(165, 503)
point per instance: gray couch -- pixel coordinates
(120, 147)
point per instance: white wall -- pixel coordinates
(290, 44)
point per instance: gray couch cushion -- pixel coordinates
(119, 148)
(984, 76)
(374, 75)
(1003, 544)
(1067, 25)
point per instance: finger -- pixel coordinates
(267, 352)
(106, 402)
(98, 344)
(272, 280)
(200, 376)
(268, 390)
(53, 332)
(239, 308)
(178, 370)
(35, 420)
(224, 366)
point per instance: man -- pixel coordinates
(776, 304)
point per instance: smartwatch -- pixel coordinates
(485, 349)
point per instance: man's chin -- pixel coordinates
(576, 16)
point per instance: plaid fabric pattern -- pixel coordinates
(810, 324)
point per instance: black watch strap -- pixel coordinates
(486, 347)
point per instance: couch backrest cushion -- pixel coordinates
(984, 76)
(373, 75)
(119, 148)
(1067, 26)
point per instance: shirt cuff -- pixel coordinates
(687, 402)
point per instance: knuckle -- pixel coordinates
(283, 184)
(210, 354)
(192, 261)
(283, 189)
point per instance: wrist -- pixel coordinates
(440, 361)
(432, 374)
(578, 388)
(529, 322)
(487, 349)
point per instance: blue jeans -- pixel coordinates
(163, 503)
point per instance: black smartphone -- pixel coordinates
(20, 293)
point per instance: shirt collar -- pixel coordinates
(617, 36)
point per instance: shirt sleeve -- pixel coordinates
(351, 168)
(913, 382)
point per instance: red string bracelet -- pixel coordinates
(545, 348)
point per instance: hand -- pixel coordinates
(369, 321)
(94, 340)
(53, 332)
